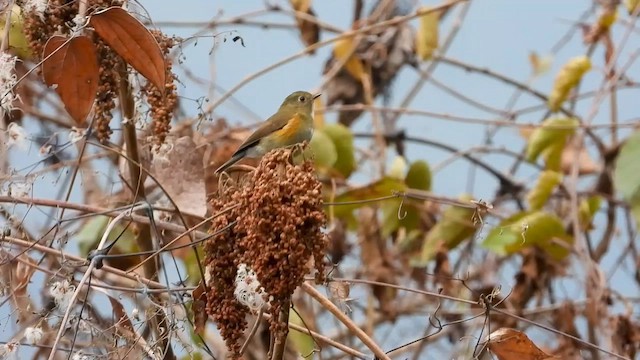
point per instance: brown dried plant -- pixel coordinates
(277, 210)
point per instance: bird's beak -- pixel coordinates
(316, 96)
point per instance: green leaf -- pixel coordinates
(394, 217)
(626, 176)
(526, 229)
(539, 194)
(193, 267)
(567, 79)
(587, 210)
(322, 149)
(383, 187)
(342, 138)
(18, 41)
(303, 343)
(553, 131)
(91, 233)
(419, 176)
(553, 156)
(455, 226)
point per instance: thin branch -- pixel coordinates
(327, 304)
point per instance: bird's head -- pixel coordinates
(299, 101)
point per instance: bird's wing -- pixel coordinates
(276, 122)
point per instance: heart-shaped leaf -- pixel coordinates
(71, 66)
(133, 42)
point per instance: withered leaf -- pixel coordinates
(309, 30)
(120, 315)
(511, 344)
(71, 66)
(133, 42)
(198, 308)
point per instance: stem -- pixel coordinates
(327, 304)
(280, 342)
(158, 321)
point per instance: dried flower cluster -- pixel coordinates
(277, 232)
(57, 17)
(110, 62)
(162, 104)
(40, 25)
(8, 81)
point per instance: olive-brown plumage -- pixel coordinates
(290, 125)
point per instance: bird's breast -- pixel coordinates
(297, 130)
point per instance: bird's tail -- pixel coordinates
(234, 159)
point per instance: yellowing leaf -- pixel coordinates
(553, 156)
(553, 131)
(587, 210)
(342, 138)
(302, 342)
(342, 50)
(301, 5)
(17, 40)
(455, 226)
(567, 79)
(607, 18)
(539, 195)
(383, 187)
(632, 6)
(526, 229)
(398, 168)
(427, 36)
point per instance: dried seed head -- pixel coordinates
(279, 218)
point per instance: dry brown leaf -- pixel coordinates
(627, 336)
(586, 164)
(511, 344)
(121, 317)
(309, 31)
(22, 269)
(219, 149)
(71, 67)
(374, 257)
(383, 53)
(180, 171)
(199, 314)
(133, 42)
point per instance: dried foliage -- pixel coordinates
(277, 215)
(497, 219)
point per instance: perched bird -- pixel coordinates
(292, 124)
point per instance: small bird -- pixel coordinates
(290, 125)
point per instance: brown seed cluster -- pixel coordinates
(110, 62)
(162, 103)
(279, 217)
(56, 17)
(222, 261)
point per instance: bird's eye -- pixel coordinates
(302, 98)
